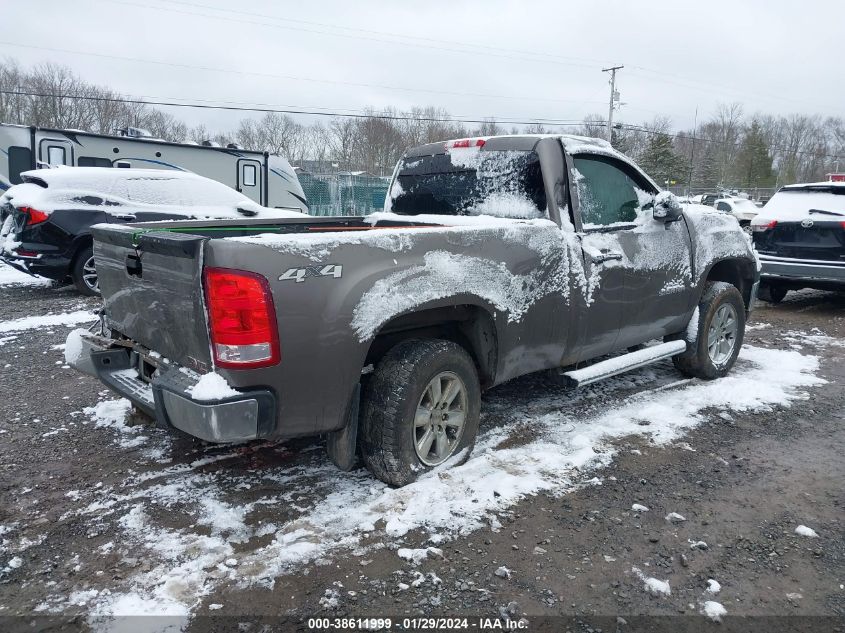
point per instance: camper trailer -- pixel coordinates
(265, 178)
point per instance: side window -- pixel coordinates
(20, 159)
(249, 175)
(93, 161)
(607, 191)
(56, 155)
(723, 206)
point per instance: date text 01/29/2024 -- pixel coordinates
(417, 624)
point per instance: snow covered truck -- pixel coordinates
(494, 257)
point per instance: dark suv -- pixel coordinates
(800, 236)
(47, 220)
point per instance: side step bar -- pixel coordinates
(621, 364)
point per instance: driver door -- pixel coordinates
(641, 265)
(605, 203)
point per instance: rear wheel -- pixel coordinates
(84, 273)
(772, 293)
(420, 409)
(714, 341)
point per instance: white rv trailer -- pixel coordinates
(266, 178)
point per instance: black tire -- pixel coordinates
(391, 399)
(697, 362)
(78, 272)
(772, 293)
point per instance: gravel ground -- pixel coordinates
(93, 516)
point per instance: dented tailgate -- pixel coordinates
(151, 283)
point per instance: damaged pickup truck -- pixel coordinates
(495, 257)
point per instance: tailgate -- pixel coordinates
(151, 284)
(818, 240)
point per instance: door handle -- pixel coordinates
(606, 256)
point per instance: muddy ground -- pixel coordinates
(742, 480)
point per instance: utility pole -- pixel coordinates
(613, 97)
(692, 152)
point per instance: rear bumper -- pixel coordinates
(55, 267)
(166, 397)
(801, 270)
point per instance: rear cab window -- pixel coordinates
(470, 181)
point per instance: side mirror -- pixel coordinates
(667, 207)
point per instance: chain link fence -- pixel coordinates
(343, 194)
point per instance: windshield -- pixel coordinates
(742, 203)
(799, 202)
(468, 181)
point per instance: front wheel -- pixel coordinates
(420, 409)
(715, 335)
(84, 274)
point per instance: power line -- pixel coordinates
(396, 117)
(343, 35)
(402, 39)
(402, 36)
(289, 77)
(299, 111)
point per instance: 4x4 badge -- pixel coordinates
(320, 270)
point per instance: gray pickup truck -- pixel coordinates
(495, 257)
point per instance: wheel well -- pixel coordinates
(79, 245)
(469, 326)
(736, 272)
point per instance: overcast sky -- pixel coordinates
(522, 60)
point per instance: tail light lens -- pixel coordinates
(466, 142)
(763, 226)
(242, 319)
(34, 216)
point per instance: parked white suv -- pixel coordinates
(742, 209)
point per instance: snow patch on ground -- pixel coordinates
(73, 345)
(654, 586)
(713, 610)
(35, 322)
(109, 413)
(13, 277)
(803, 530)
(416, 556)
(325, 512)
(713, 586)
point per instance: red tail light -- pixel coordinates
(466, 142)
(242, 319)
(759, 228)
(34, 216)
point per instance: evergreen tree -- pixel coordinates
(754, 162)
(661, 162)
